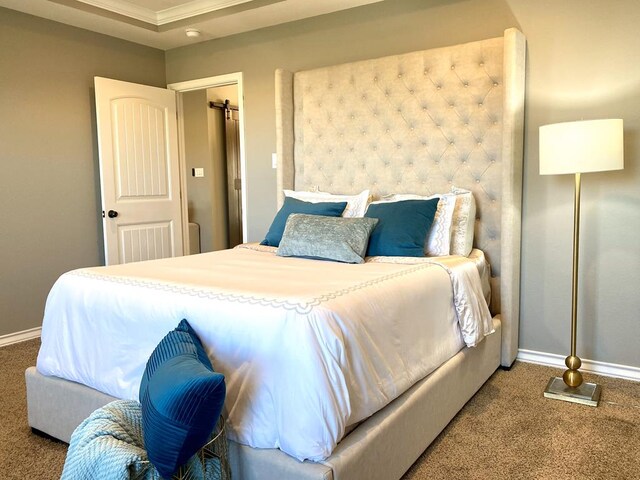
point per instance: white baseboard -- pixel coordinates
(592, 366)
(20, 336)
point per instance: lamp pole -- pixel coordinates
(572, 377)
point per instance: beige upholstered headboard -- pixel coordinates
(421, 123)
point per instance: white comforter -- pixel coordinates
(307, 347)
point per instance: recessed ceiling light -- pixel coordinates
(192, 32)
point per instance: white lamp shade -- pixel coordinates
(581, 147)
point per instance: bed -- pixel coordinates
(419, 122)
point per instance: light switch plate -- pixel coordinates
(274, 160)
(197, 172)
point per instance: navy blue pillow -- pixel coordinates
(181, 398)
(402, 227)
(293, 205)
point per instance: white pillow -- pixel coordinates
(438, 239)
(356, 204)
(464, 218)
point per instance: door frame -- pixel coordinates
(203, 84)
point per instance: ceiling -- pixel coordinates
(163, 23)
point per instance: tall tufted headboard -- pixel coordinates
(421, 122)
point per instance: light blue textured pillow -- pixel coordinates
(326, 238)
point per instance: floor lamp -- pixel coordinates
(578, 147)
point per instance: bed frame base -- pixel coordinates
(382, 447)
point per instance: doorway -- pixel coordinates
(211, 134)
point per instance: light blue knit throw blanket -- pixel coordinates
(108, 445)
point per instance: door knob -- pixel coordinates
(112, 214)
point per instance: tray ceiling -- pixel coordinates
(162, 23)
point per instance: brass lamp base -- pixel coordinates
(586, 394)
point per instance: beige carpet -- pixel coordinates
(22, 454)
(507, 431)
(510, 431)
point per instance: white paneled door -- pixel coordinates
(139, 171)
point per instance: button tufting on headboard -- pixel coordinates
(420, 123)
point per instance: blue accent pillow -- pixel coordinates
(181, 399)
(402, 227)
(293, 205)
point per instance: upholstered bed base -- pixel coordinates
(405, 427)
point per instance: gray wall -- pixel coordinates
(583, 62)
(49, 191)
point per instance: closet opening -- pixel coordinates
(212, 154)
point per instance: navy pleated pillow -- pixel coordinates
(181, 398)
(402, 227)
(293, 205)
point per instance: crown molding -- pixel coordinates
(163, 17)
(142, 25)
(195, 8)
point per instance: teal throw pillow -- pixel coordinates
(181, 398)
(402, 227)
(326, 238)
(293, 205)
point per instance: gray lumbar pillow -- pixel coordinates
(326, 238)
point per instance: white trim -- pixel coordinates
(208, 82)
(601, 368)
(22, 336)
(126, 9)
(182, 165)
(193, 9)
(200, 84)
(162, 17)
